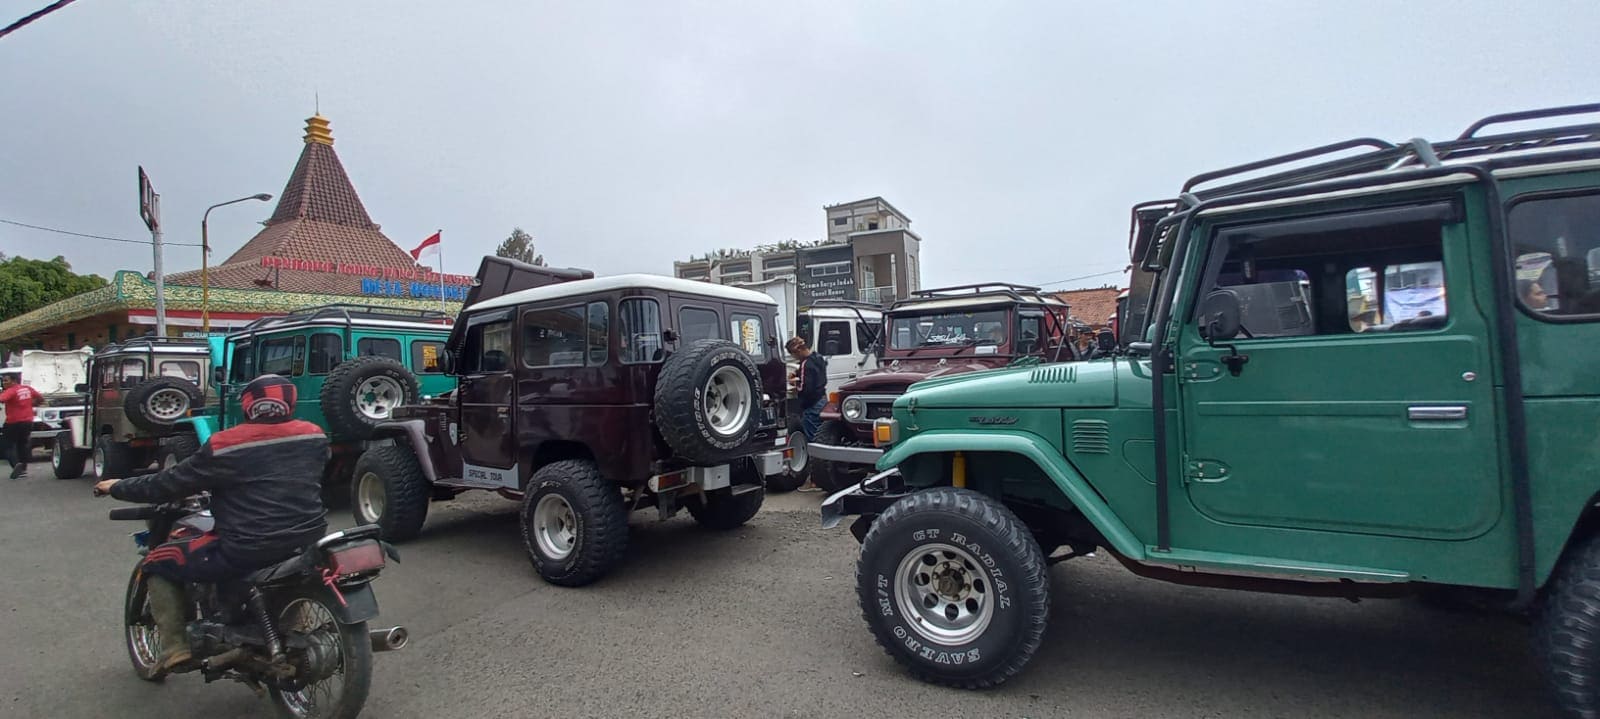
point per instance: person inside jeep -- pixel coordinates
(265, 480)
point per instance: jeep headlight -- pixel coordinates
(49, 415)
(853, 409)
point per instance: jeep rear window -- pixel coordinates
(554, 337)
(641, 330)
(327, 351)
(695, 324)
(425, 357)
(378, 347)
(1556, 241)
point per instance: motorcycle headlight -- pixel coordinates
(853, 409)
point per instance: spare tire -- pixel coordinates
(155, 405)
(708, 401)
(361, 394)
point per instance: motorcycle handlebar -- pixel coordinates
(148, 512)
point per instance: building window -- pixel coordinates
(641, 330)
(378, 347)
(327, 351)
(553, 337)
(872, 224)
(830, 269)
(841, 221)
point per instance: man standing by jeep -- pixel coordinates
(811, 391)
(18, 399)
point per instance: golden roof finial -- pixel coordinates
(317, 130)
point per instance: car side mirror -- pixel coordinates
(1106, 340)
(1219, 316)
(81, 388)
(669, 335)
(219, 375)
(447, 362)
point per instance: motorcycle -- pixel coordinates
(295, 631)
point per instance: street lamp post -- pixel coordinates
(205, 261)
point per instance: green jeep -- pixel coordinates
(1302, 409)
(351, 366)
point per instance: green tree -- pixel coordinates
(519, 246)
(27, 285)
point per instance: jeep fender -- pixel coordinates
(1046, 458)
(413, 432)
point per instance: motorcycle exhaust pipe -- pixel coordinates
(389, 640)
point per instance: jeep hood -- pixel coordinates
(908, 373)
(1076, 384)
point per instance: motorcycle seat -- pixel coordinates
(289, 568)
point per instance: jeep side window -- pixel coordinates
(746, 332)
(833, 339)
(599, 331)
(803, 330)
(1375, 278)
(554, 337)
(244, 363)
(695, 324)
(425, 357)
(866, 335)
(327, 351)
(1556, 242)
(488, 348)
(182, 369)
(641, 330)
(277, 356)
(378, 347)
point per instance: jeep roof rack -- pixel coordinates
(843, 303)
(151, 344)
(349, 314)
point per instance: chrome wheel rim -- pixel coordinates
(55, 453)
(555, 527)
(377, 397)
(798, 453)
(322, 692)
(167, 404)
(100, 462)
(728, 400)
(144, 640)
(944, 594)
(370, 497)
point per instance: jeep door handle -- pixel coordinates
(1437, 413)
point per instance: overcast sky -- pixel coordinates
(626, 135)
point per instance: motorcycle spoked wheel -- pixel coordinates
(334, 670)
(143, 639)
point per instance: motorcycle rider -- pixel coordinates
(265, 480)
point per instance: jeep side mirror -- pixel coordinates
(669, 335)
(81, 388)
(1106, 340)
(219, 375)
(447, 362)
(1219, 316)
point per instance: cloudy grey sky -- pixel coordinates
(626, 135)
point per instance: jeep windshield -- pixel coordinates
(948, 329)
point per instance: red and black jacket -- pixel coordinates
(265, 481)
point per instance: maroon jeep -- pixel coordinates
(586, 400)
(934, 333)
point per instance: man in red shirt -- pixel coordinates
(18, 399)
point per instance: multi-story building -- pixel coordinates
(869, 254)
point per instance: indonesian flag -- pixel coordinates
(429, 246)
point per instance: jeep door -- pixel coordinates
(486, 393)
(1362, 397)
(241, 368)
(571, 391)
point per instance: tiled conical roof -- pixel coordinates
(319, 217)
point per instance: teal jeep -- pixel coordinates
(1361, 370)
(351, 364)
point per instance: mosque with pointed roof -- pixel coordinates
(319, 247)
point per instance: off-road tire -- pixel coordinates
(791, 479)
(680, 411)
(67, 461)
(143, 417)
(406, 492)
(1567, 630)
(119, 460)
(1012, 571)
(177, 448)
(340, 398)
(721, 509)
(823, 473)
(601, 531)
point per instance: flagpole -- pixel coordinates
(441, 272)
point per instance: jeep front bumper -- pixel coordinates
(871, 497)
(845, 455)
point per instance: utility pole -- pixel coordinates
(150, 212)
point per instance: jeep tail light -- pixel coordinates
(885, 432)
(666, 481)
(356, 558)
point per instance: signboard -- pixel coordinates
(825, 273)
(423, 290)
(360, 270)
(149, 202)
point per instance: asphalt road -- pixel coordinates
(760, 622)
